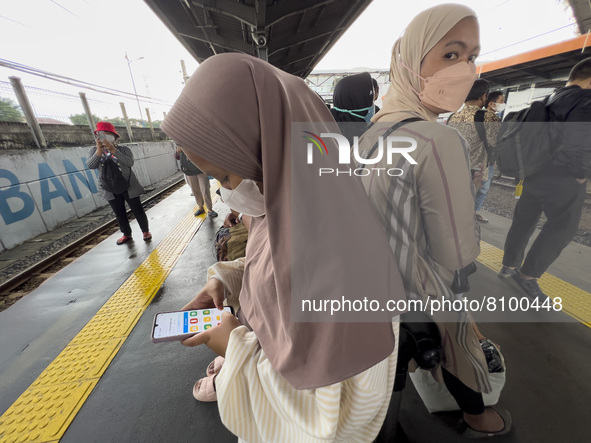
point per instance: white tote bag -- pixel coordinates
(437, 398)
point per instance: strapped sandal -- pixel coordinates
(204, 389)
(215, 366)
(471, 433)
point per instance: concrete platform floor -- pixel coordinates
(145, 394)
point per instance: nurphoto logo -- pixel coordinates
(384, 149)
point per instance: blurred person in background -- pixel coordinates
(107, 149)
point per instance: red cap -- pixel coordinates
(107, 127)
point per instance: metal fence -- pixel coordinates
(65, 105)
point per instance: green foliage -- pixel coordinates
(80, 119)
(10, 111)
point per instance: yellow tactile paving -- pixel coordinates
(46, 409)
(575, 301)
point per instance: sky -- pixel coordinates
(88, 39)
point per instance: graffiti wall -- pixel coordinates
(39, 190)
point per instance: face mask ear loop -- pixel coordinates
(410, 70)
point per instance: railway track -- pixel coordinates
(19, 285)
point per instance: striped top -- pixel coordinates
(124, 156)
(258, 405)
(428, 215)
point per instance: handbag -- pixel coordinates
(438, 399)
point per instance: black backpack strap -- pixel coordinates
(481, 130)
(391, 130)
(449, 118)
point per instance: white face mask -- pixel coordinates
(499, 107)
(245, 198)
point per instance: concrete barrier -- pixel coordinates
(39, 190)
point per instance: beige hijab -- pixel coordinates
(237, 112)
(423, 32)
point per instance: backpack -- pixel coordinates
(187, 167)
(112, 179)
(481, 130)
(525, 142)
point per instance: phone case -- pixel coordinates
(194, 322)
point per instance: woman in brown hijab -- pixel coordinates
(283, 379)
(428, 210)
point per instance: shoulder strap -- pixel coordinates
(479, 118)
(391, 130)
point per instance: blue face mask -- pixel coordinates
(370, 112)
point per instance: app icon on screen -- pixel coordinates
(206, 326)
(194, 320)
(206, 312)
(206, 318)
(195, 328)
(193, 313)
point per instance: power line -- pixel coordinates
(14, 21)
(78, 83)
(528, 39)
(64, 8)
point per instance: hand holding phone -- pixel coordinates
(217, 338)
(179, 325)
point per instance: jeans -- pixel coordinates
(481, 193)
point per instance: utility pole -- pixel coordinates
(133, 83)
(184, 71)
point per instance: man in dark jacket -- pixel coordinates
(558, 190)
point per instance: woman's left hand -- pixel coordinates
(215, 338)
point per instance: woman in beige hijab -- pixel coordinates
(284, 380)
(428, 208)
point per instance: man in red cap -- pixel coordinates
(106, 154)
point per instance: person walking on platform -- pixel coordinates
(428, 210)
(480, 128)
(284, 380)
(108, 150)
(558, 190)
(199, 184)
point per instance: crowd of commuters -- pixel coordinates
(277, 379)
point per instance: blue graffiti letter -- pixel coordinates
(45, 175)
(74, 173)
(13, 191)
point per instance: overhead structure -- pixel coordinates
(545, 67)
(292, 35)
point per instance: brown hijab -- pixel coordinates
(423, 32)
(237, 113)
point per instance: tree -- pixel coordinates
(9, 111)
(80, 119)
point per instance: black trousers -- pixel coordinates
(118, 205)
(561, 199)
(468, 400)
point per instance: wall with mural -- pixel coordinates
(40, 190)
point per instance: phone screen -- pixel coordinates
(170, 326)
(100, 135)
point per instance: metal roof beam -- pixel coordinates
(231, 45)
(239, 11)
(285, 9)
(301, 38)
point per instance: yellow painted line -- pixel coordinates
(575, 301)
(46, 409)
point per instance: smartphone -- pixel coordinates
(171, 326)
(100, 135)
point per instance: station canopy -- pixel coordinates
(292, 35)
